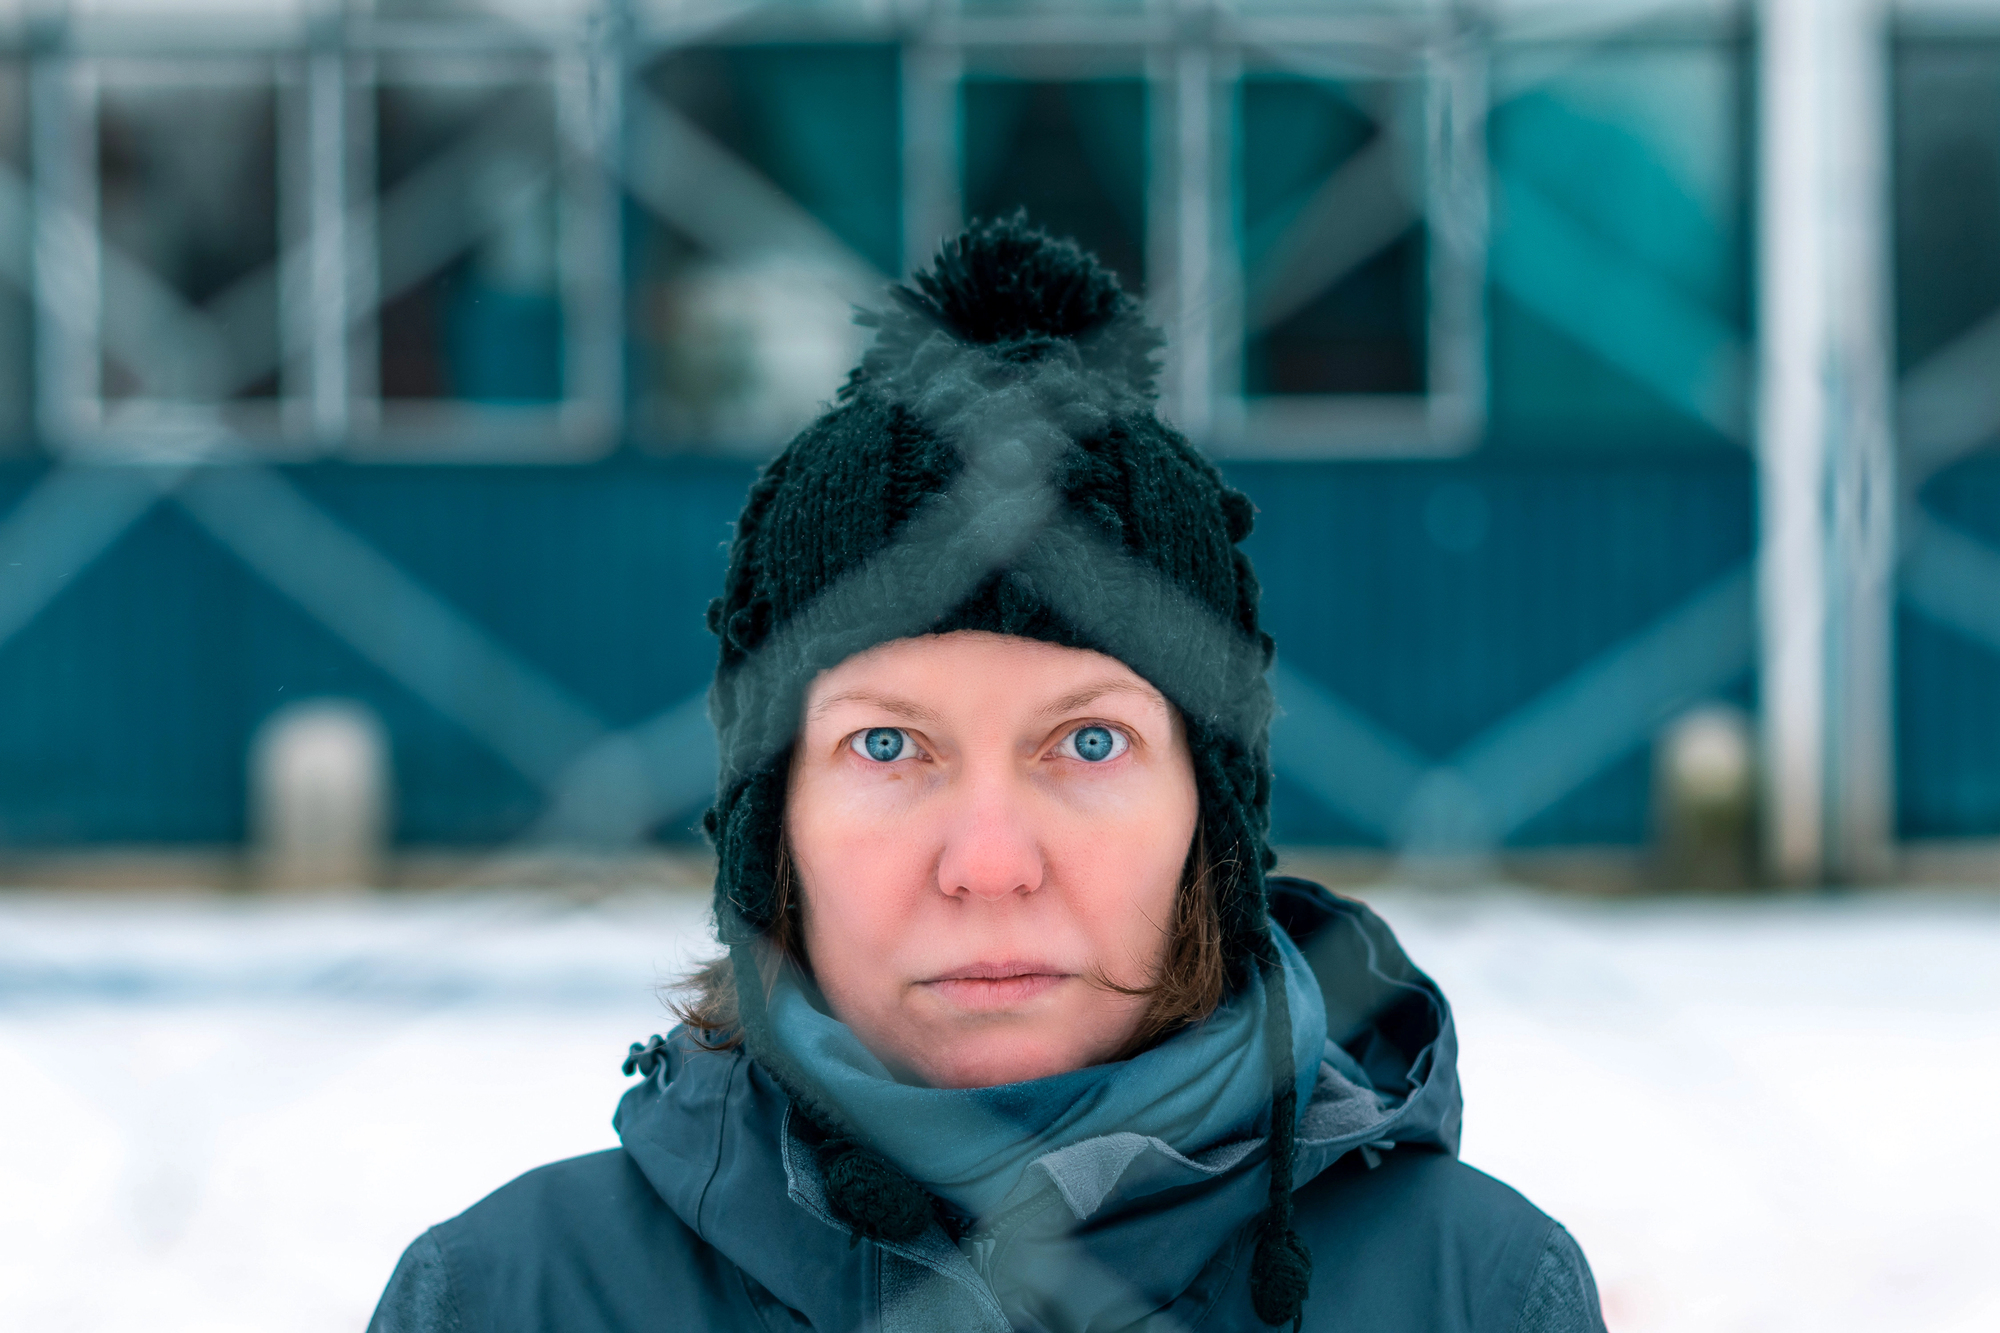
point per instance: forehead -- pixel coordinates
(977, 667)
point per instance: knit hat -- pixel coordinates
(995, 463)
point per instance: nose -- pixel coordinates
(991, 851)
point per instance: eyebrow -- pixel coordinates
(906, 709)
(1069, 703)
(916, 712)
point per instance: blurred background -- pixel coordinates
(1618, 382)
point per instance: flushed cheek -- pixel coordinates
(1124, 880)
(862, 923)
(864, 996)
(868, 919)
(861, 844)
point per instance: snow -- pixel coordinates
(226, 1113)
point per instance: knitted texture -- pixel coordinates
(995, 463)
(1280, 1274)
(874, 1198)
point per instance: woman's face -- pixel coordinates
(982, 828)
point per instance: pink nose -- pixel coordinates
(990, 850)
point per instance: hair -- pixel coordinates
(1189, 985)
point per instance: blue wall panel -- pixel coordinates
(1947, 732)
(1431, 597)
(134, 694)
(1437, 597)
(1948, 685)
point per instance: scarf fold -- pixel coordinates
(1206, 1085)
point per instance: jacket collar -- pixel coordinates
(1093, 1247)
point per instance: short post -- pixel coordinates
(1705, 791)
(319, 796)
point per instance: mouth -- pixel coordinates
(986, 987)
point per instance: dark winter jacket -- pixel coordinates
(713, 1215)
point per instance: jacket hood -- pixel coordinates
(1124, 1227)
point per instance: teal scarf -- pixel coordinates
(1207, 1084)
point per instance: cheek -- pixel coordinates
(858, 869)
(1123, 861)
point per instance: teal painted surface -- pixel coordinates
(1072, 153)
(1435, 599)
(1948, 679)
(1365, 331)
(1946, 168)
(1432, 598)
(819, 122)
(1619, 255)
(135, 692)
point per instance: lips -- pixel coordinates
(988, 987)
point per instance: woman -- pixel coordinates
(1013, 1032)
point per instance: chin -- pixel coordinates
(988, 1063)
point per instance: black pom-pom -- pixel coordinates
(1280, 1276)
(870, 1195)
(1009, 285)
(1004, 280)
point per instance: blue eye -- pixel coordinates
(879, 743)
(1095, 744)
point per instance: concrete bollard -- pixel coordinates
(1705, 795)
(319, 795)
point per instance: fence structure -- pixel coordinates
(1587, 362)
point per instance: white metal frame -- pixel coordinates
(326, 280)
(1434, 78)
(1826, 458)
(1192, 53)
(1825, 433)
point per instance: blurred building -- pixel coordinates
(416, 354)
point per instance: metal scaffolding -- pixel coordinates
(147, 392)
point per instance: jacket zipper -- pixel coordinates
(982, 1243)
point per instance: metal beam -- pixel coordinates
(326, 320)
(62, 163)
(426, 644)
(1192, 231)
(1950, 578)
(1825, 466)
(60, 528)
(590, 90)
(1949, 403)
(1612, 705)
(1526, 761)
(1456, 97)
(1622, 311)
(929, 112)
(1356, 213)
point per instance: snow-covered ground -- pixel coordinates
(231, 1114)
